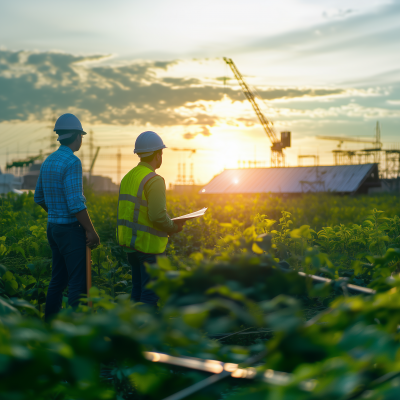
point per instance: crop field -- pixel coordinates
(230, 290)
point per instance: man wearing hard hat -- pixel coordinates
(59, 192)
(143, 224)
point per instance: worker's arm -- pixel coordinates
(92, 238)
(73, 189)
(157, 201)
(39, 194)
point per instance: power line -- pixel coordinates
(13, 139)
(10, 129)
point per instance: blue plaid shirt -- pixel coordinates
(60, 186)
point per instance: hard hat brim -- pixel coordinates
(65, 136)
(150, 149)
(82, 132)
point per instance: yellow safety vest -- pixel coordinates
(134, 228)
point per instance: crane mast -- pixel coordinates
(277, 154)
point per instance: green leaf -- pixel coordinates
(11, 287)
(164, 263)
(8, 276)
(6, 308)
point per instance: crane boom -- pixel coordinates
(344, 139)
(277, 155)
(177, 149)
(266, 124)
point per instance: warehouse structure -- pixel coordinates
(10, 183)
(344, 179)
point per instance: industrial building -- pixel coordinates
(343, 179)
(10, 183)
(27, 181)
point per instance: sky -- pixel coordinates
(123, 67)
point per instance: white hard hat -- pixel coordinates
(147, 143)
(68, 122)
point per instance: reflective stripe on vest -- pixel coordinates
(151, 240)
(133, 199)
(139, 227)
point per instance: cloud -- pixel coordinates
(293, 93)
(337, 112)
(35, 85)
(337, 13)
(205, 132)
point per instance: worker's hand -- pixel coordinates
(179, 223)
(92, 239)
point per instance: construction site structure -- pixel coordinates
(251, 164)
(301, 157)
(181, 178)
(277, 153)
(387, 159)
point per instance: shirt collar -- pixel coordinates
(145, 164)
(66, 149)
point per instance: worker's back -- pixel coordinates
(61, 184)
(59, 191)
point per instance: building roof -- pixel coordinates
(335, 178)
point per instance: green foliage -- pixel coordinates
(225, 273)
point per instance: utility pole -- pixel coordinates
(119, 166)
(82, 157)
(90, 153)
(378, 143)
(184, 173)
(191, 179)
(91, 147)
(179, 180)
(52, 138)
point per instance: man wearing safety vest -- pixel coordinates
(143, 224)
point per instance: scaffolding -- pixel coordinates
(387, 159)
(302, 157)
(316, 185)
(182, 179)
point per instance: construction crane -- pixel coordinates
(277, 154)
(342, 156)
(341, 140)
(192, 151)
(377, 142)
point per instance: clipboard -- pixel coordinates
(192, 215)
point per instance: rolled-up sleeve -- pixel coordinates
(38, 197)
(73, 187)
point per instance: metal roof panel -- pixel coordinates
(334, 178)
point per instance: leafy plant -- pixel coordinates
(234, 269)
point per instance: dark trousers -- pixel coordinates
(68, 245)
(140, 277)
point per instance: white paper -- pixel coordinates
(192, 215)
